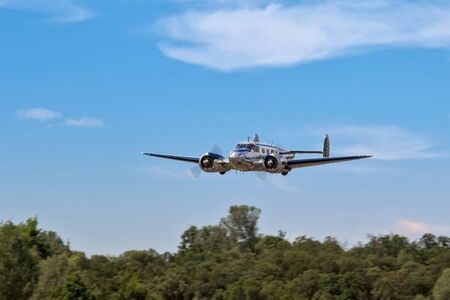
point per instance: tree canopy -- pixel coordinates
(230, 260)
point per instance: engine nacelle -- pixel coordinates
(275, 163)
(211, 163)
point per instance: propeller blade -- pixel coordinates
(195, 171)
(217, 150)
(261, 175)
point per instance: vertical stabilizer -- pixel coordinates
(326, 146)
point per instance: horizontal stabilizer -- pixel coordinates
(300, 152)
(325, 152)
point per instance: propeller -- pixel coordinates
(217, 150)
(261, 175)
(195, 171)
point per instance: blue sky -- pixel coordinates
(86, 86)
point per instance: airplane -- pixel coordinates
(260, 157)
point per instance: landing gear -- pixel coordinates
(284, 173)
(222, 173)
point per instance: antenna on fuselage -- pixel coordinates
(256, 138)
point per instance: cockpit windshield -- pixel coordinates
(245, 146)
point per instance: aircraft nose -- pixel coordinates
(235, 157)
(238, 160)
(234, 154)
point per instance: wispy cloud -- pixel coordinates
(39, 114)
(410, 227)
(223, 3)
(229, 38)
(42, 114)
(383, 142)
(84, 122)
(416, 228)
(61, 11)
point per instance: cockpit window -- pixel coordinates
(245, 146)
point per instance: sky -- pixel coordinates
(86, 86)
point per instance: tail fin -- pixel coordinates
(326, 146)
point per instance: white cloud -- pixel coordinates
(415, 228)
(61, 11)
(84, 122)
(223, 3)
(229, 38)
(409, 227)
(40, 114)
(383, 142)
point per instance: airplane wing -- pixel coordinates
(303, 163)
(174, 157)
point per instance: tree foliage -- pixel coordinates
(230, 260)
(441, 290)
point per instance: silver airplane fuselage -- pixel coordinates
(249, 156)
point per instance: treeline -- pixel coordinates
(230, 260)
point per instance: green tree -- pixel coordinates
(188, 238)
(305, 286)
(18, 263)
(75, 289)
(241, 224)
(65, 276)
(52, 277)
(225, 261)
(428, 241)
(137, 273)
(441, 290)
(354, 285)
